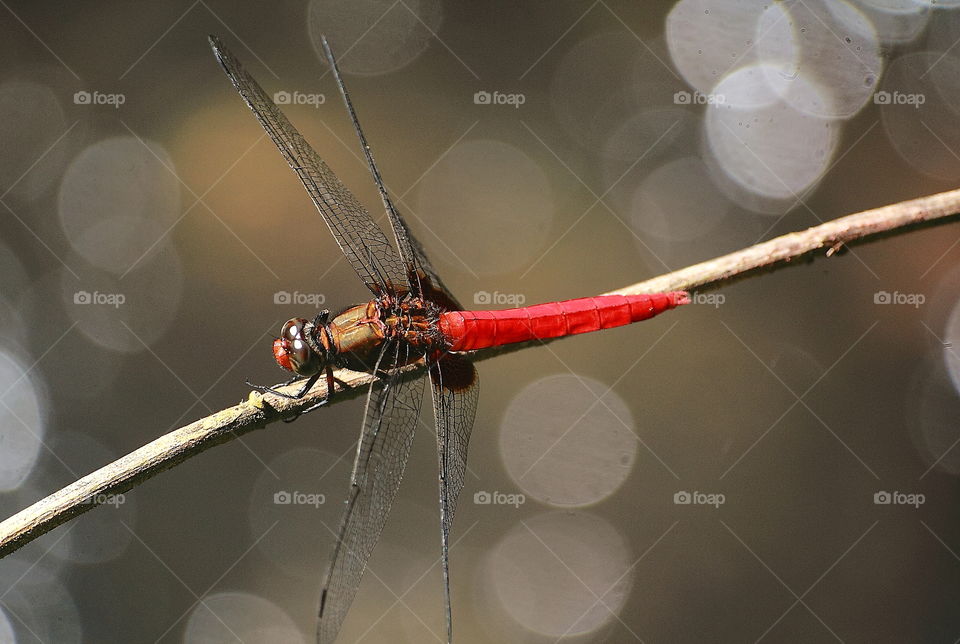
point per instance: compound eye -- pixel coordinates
(293, 329)
(303, 358)
(292, 351)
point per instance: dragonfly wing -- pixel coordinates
(455, 391)
(422, 277)
(433, 287)
(363, 242)
(389, 425)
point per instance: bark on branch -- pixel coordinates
(258, 411)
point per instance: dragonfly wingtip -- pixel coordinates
(216, 46)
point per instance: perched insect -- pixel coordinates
(412, 318)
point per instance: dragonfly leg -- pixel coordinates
(309, 409)
(321, 403)
(300, 394)
(331, 379)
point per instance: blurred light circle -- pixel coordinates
(8, 634)
(605, 79)
(709, 39)
(125, 313)
(678, 202)
(373, 36)
(932, 410)
(951, 350)
(113, 179)
(742, 196)
(639, 143)
(13, 285)
(82, 369)
(941, 36)
(120, 242)
(296, 502)
(829, 45)
(39, 603)
(98, 535)
(939, 4)
(22, 427)
(765, 145)
(650, 135)
(793, 365)
(503, 204)
(13, 276)
(568, 441)
(562, 573)
(230, 617)
(918, 107)
(31, 122)
(896, 21)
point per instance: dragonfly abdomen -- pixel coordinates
(471, 330)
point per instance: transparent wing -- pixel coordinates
(455, 391)
(363, 242)
(389, 425)
(422, 277)
(433, 287)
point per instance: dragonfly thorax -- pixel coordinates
(355, 337)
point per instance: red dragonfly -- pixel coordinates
(412, 318)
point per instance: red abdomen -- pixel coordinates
(470, 330)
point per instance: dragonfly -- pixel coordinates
(412, 320)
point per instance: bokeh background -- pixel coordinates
(153, 240)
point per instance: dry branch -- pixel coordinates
(258, 411)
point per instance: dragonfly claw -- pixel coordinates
(276, 392)
(309, 409)
(267, 390)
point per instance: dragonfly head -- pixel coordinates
(293, 352)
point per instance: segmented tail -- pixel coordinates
(471, 330)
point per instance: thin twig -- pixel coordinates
(259, 411)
